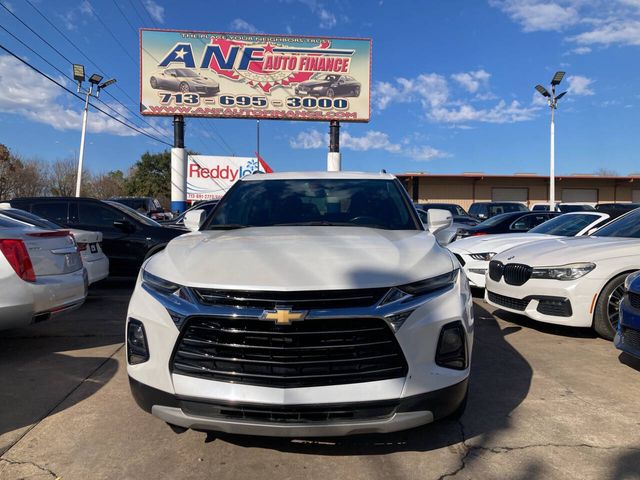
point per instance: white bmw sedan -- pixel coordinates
(41, 274)
(570, 281)
(474, 253)
(307, 304)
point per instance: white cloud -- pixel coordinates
(240, 25)
(535, 15)
(44, 104)
(502, 112)
(326, 17)
(623, 32)
(433, 92)
(472, 81)
(371, 140)
(156, 11)
(581, 50)
(579, 85)
(431, 89)
(591, 22)
(77, 15)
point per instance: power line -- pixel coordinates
(146, 10)
(142, 132)
(133, 7)
(69, 77)
(106, 27)
(100, 70)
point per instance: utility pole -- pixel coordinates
(258, 137)
(178, 167)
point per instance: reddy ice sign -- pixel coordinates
(237, 75)
(209, 177)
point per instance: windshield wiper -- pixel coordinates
(227, 226)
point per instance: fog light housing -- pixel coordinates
(452, 347)
(137, 346)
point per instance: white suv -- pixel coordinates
(305, 304)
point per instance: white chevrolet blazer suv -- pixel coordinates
(305, 304)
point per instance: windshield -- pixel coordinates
(135, 203)
(565, 225)
(183, 72)
(315, 202)
(627, 226)
(133, 213)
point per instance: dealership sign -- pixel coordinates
(209, 177)
(235, 75)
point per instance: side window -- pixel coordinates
(54, 211)
(99, 215)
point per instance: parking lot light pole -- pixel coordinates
(94, 85)
(552, 99)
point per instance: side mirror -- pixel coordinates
(482, 216)
(438, 219)
(194, 219)
(124, 225)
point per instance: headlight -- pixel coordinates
(483, 256)
(430, 284)
(630, 278)
(163, 286)
(563, 272)
(405, 292)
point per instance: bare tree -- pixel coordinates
(107, 185)
(9, 166)
(606, 172)
(62, 179)
(32, 180)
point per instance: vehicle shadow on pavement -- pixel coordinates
(500, 381)
(542, 327)
(43, 364)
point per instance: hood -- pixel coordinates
(301, 258)
(495, 243)
(562, 251)
(203, 81)
(314, 83)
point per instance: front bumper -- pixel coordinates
(417, 338)
(300, 420)
(207, 91)
(568, 303)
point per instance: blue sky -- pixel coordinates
(452, 83)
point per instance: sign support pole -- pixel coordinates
(333, 157)
(178, 167)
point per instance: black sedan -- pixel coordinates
(128, 237)
(513, 222)
(330, 85)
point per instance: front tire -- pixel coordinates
(154, 82)
(184, 87)
(331, 93)
(607, 312)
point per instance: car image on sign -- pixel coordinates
(330, 86)
(184, 80)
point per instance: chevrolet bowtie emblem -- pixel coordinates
(283, 316)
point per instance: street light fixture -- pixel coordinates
(552, 100)
(94, 81)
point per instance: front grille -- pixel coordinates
(508, 302)
(634, 300)
(292, 413)
(303, 354)
(517, 274)
(630, 337)
(299, 300)
(496, 269)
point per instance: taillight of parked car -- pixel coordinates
(51, 233)
(16, 253)
(477, 234)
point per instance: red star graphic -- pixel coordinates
(268, 48)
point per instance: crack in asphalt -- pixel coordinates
(40, 467)
(469, 449)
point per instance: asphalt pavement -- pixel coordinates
(546, 402)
